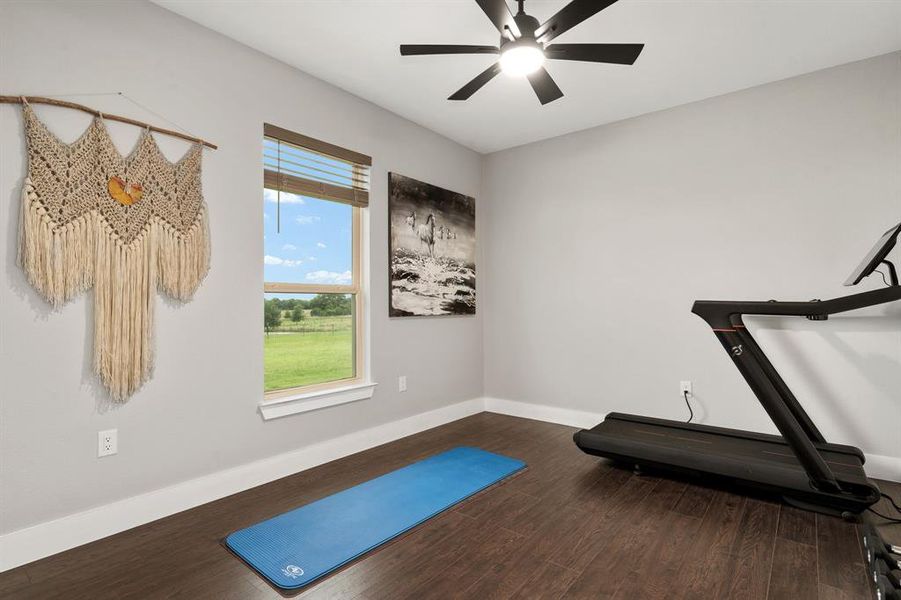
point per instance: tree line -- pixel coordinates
(321, 305)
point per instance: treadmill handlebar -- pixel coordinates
(719, 313)
(790, 418)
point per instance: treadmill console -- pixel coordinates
(876, 257)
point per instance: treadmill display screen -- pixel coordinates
(875, 256)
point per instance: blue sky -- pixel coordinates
(314, 244)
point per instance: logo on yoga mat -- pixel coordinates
(292, 571)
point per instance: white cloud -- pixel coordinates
(307, 220)
(289, 247)
(272, 196)
(311, 258)
(330, 277)
(320, 245)
(282, 262)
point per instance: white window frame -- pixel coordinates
(289, 401)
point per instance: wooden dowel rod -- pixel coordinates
(97, 113)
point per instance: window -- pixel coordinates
(313, 197)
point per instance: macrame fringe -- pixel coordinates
(184, 258)
(62, 261)
(56, 259)
(123, 311)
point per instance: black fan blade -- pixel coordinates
(544, 86)
(500, 15)
(569, 16)
(473, 86)
(618, 54)
(421, 49)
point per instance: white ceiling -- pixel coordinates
(694, 49)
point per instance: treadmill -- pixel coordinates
(799, 465)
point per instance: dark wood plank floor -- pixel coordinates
(570, 526)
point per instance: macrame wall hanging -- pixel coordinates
(126, 226)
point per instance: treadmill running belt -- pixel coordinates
(753, 459)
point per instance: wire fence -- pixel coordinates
(310, 324)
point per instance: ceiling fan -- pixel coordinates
(524, 46)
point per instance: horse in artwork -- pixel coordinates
(427, 234)
(411, 220)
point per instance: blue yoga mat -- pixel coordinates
(301, 545)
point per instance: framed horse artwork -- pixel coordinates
(432, 250)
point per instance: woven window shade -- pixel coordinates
(298, 164)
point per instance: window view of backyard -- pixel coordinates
(311, 256)
(309, 339)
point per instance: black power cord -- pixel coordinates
(688, 404)
(892, 520)
(883, 278)
(892, 500)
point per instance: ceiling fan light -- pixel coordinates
(521, 60)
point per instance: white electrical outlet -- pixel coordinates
(685, 388)
(402, 383)
(107, 442)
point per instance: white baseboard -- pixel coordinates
(878, 466)
(884, 467)
(542, 412)
(45, 539)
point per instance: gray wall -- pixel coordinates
(592, 246)
(597, 243)
(198, 414)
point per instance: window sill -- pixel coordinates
(309, 401)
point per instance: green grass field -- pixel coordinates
(314, 350)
